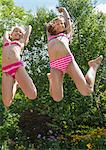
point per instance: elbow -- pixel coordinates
(26, 42)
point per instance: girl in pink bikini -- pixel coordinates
(59, 32)
(13, 70)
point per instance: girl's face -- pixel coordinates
(59, 25)
(17, 34)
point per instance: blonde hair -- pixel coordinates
(17, 27)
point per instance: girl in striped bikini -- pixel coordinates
(59, 32)
(13, 70)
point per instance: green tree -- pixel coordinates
(10, 15)
(89, 30)
(74, 110)
(88, 42)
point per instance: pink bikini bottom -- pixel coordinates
(12, 68)
(62, 63)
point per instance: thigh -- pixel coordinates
(76, 74)
(25, 82)
(57, 83)
(7, 87)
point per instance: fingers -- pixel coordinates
(30, 27)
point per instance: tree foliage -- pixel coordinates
(74, 112)
(11, 15)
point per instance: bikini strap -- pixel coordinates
(55, 36)
(12, 43)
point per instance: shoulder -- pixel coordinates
(65, 36)
(19, 43)
(50, 37)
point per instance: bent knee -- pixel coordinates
(7, 103)
(86, 92)
(33, 95)
(57, 98)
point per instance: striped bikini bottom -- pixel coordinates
(12, 68)
(62, 63)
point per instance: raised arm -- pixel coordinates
(69, 24)
(27, 34)
(6, 37)
(25, 38)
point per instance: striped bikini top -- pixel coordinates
(12, 43)
(51, 37)
(9, 42)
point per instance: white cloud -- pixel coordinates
(101, 8)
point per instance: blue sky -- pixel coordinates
(50, 4)
(34, 4)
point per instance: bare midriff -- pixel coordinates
(10, 54)
(58, 48)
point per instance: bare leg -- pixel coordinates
(85, 85)
(91, 74)
(15, 87)
(56, 84)
(7, 89)
(50, 81)
(26, 83)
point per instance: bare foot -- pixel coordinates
(94, 65)
(96, 62)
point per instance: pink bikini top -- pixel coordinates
(8, 42)
(12, 43)
(58, 35)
